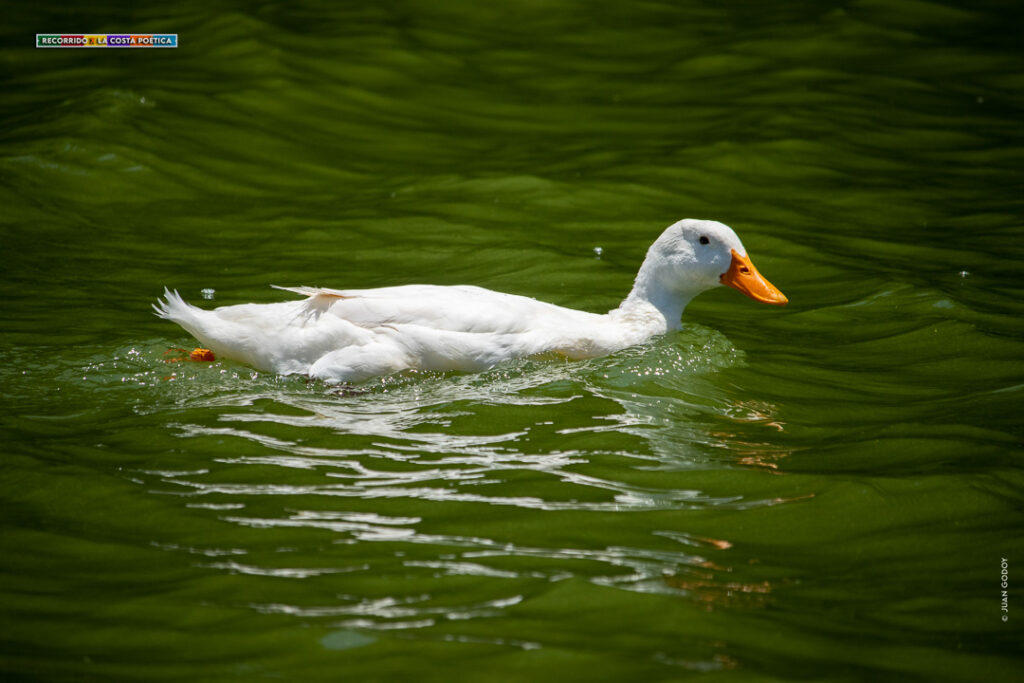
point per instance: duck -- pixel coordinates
(351, 335)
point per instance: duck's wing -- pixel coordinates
(460, 308)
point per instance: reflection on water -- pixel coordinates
(443, 443)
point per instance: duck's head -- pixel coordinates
(692, 256)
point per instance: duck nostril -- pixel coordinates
(744, 269)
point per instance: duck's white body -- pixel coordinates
(351, 335)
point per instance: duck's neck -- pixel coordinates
(651, 301)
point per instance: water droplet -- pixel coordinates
(345, 640)
(208, 292)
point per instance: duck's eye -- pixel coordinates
(704, 239)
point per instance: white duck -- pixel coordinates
(351, 335)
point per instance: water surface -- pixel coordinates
(821, 492)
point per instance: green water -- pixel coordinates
(820, 492)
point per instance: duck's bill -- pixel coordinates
(742, 275)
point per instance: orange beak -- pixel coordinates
(742, 275)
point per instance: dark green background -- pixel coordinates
(821, 492)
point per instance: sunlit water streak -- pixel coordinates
(407, 421)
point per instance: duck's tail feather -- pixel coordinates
(196, 321)
(203, 325)
(172, 306)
